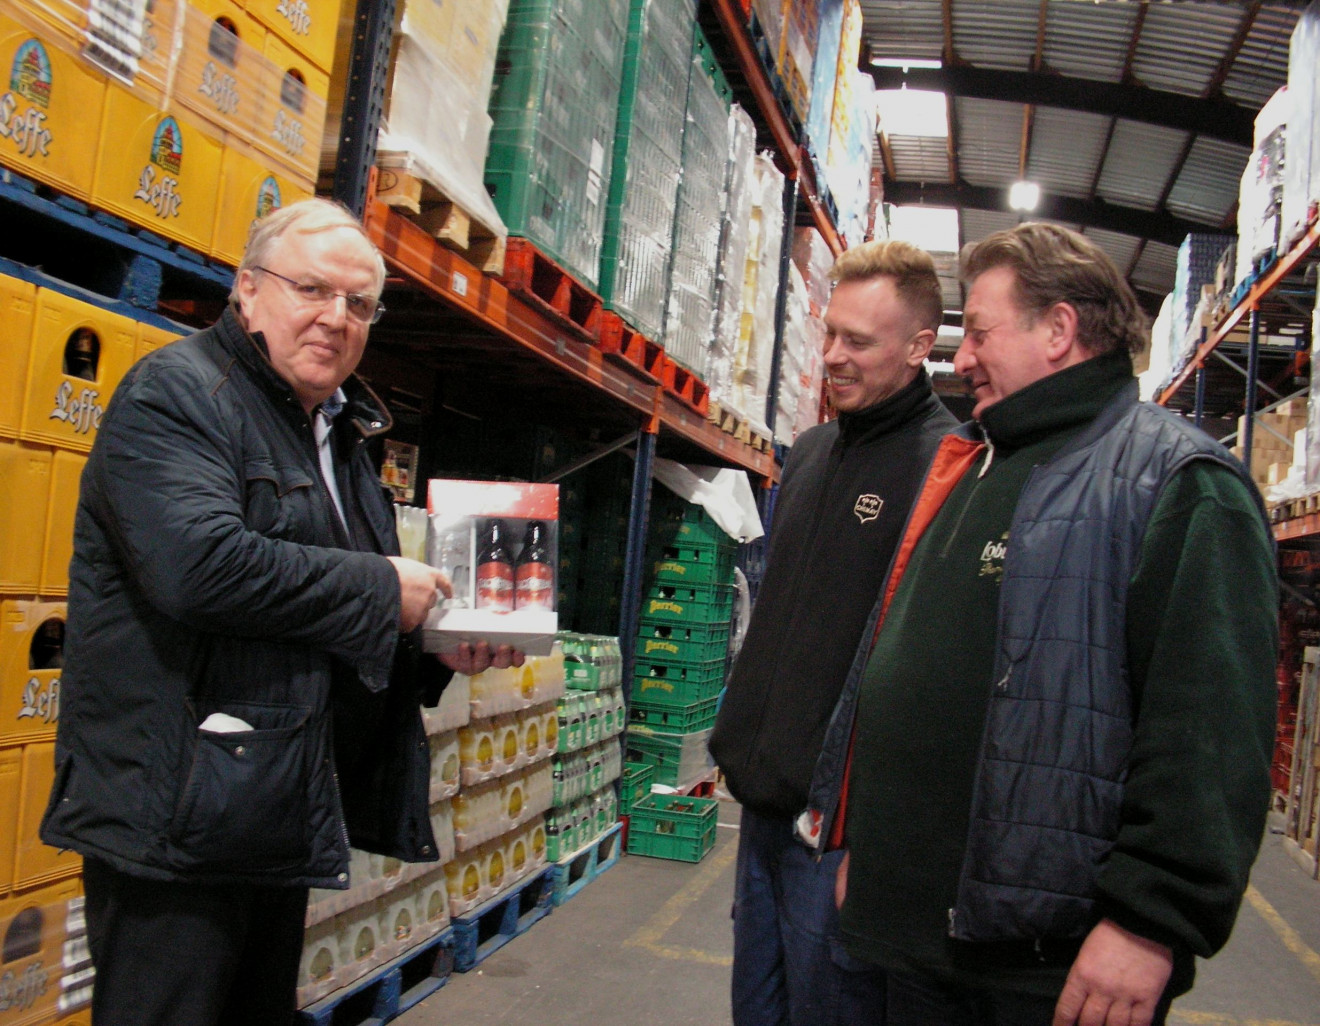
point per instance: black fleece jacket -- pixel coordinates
(842, 505)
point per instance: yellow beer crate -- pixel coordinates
(25, 472)
(220, 69)
(46, 109)
(35, 862)
(17, 300)
(36, 925)
(251, 186)
(31, 650)
(66, 472)
(309, 26)
(293, 95)
(151, 338)
(158, 168)
(79, 353)
(11, 769)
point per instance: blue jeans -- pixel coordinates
(916, 1000)
(789, 965)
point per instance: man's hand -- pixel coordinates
(1116, 980)
(841, 881)
(471, 659)
(420, 588)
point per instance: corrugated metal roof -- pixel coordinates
(989, 134)
(1120, 248)
(1182, 45)
(1262, 66)
(977, 224)
(1066, 147)
(1088, 40)
(1156, 268)
(1207, 186)
(1141, 158)
(904, 28)
(919, 159)
(995, 34)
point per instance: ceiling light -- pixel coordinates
(903, 62)
(1024, 196)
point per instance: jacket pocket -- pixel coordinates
(245, 801)
(277, 500)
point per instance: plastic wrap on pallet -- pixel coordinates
(690, 315)
(1198, 259)
(733, 251)
(554, 105)
(797, 52)
(1259, 199)
(756, 337)
(813, 375)
(848, 171)
(824, 72)
(436, 127)
(1301, 175)
(1313, 413)
(812, 256)
(797, 309)
(647, 163)
(769, 15)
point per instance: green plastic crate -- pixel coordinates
(672, 827)
(663, 641)
(635, 785)
(681, 603)
(669, 718)
(678, 760)
(673, 682)
(691, 563)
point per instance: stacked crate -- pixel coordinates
(64, 354)
(588, 761)
(192, 121)
(690, 316)
(682, 643)
(553, 106)
(647, 163)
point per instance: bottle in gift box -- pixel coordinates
(534, 578)
(495, 585)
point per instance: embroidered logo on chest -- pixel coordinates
(992, 558)
(868, 507)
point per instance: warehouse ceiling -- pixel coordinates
(1134, 118)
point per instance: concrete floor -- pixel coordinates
(648, 942)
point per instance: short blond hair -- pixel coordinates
(911, 268)
(309, 215)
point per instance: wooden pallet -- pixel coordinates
(387, 992)
(488, 927)
(541, 281)
(440, 216)
(624, 344)
(733, 423)
(573, 873)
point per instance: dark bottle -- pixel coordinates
(534, 579)
(494, 570)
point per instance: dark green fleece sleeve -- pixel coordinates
(1202, 633)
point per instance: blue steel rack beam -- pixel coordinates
(364, 102)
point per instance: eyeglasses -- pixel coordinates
(359, 307)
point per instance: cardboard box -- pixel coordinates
(509, 603)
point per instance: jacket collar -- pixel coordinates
(888, 413)
(363, 409)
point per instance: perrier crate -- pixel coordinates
(688, 604)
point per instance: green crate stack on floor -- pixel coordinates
(589, 760)
(682, 643)
(554, 107)
(702, 194)
(647, 163)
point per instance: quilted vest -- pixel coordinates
(1054, 756)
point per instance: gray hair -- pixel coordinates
(310, 215)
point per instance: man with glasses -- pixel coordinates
(241, 680)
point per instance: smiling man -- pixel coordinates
(1061, 752)
(241, 684)
(847, 487)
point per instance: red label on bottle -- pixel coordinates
(495, 587)
(536, 586)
